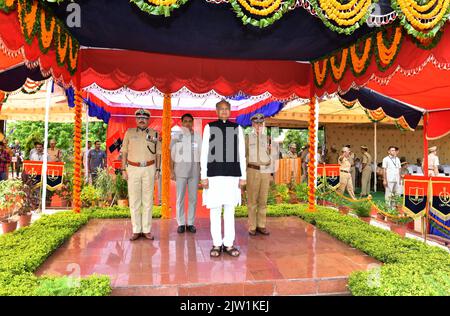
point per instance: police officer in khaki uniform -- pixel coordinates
(433, 162)
(351, 159)
(366, 171)
(141, 160)
(258, 176)
(345, 178)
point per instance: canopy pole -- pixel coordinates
(165, 159)
(85, 158)
(375, 156)
(77, 153)
(425, 173)
(312, 165)
(48, 97)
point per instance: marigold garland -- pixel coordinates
(312, 155)
(165, 182)
(36, 19)
(320, 74)
(269, 7)
(47, 30)
(338, 71)
(359, 63)
(387, 50)
(77, 153)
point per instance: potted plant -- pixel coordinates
(30, 202)
(65, 192)
(301, 192)
(89, 196)
(362, 209)
(105, 184)
(121, 190)
(11, 200)
(282, 195)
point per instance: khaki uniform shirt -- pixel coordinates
(139, 147)
(345, 164)
(433, 161)
(54, 154)
(256, 150)
(367, 159)
(289, 154)
(351, 159)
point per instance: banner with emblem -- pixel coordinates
(415, 195)
(440, 204)
(34, 170)
(330, 172)
(55, 172)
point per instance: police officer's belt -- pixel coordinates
(345, 171)
(254, 166)
(141, 164)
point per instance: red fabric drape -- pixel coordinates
(14, 42)
(410, 57)
(113, 69)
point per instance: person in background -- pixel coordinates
(54, 154)
(391, 174)
(345, 178)
(85, 159)
(352, 158)
(433, 162)
(403, 172)
(366, 172)
(10, 153)
(96, 160)
(304, 162)
(37, 154)
(292, 151)
(5, 159)
(358, 170)
(17, 154)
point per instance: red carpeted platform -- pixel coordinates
(296, 259)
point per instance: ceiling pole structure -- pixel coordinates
(45, 158)
(425, 173)
(165, 156)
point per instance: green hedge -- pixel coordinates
(115, 212)
(24, 250)
(410, 266)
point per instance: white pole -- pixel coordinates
(375, 156)
(85, 156)
(45, 158)
(316, 140)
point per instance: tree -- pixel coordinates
(27, 132)
(299, 137)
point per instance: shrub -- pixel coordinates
(361, 209)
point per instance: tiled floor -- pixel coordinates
(295, 259)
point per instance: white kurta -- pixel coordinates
(222, 190)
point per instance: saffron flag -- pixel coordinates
(440, 204)
(330, 172)
(416, 195)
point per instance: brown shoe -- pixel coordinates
(149, 236)
(135, 236)
(262, 231)
(252, 232)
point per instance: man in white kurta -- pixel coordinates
(223, 175)
(391, 174)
